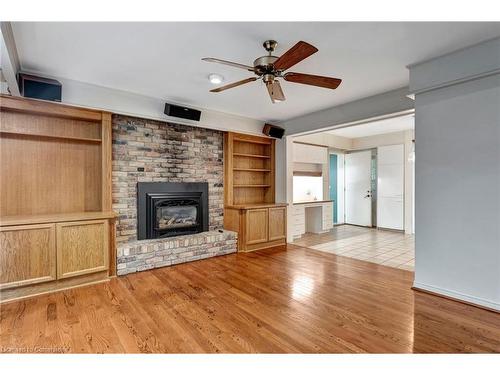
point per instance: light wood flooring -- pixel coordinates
(268, 301)
(393, 249)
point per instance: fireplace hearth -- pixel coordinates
(166, 209)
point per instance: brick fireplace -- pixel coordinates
(155, 151)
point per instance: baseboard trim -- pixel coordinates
(458, 297)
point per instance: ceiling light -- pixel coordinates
(215, 78)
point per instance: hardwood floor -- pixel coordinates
(271, 301)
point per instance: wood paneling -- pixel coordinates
(106, 162)
(256, 226)
(45, 108)
(277, 223)
(112, 247)
(269, 301)
(27, 123)
(82, 247)
(55, 218)
(48, 176)
(27, 255)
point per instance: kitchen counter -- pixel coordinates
(309, 202)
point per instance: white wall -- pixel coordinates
(127, 103)
(306, 153)
(307, 188)
(375, 141)
(458, 177)
(326, 139)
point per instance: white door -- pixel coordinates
(358, 201)
(390, 187)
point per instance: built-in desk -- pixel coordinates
(312, 217)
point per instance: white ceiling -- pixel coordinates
(163, 60)
(391, 125)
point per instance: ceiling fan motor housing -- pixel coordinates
(264, 64)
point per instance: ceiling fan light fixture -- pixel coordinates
(215, 79)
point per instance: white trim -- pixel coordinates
(459, 296)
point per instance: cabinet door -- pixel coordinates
(28, 255)
(82, 247)
(256, 227)
(277, 223)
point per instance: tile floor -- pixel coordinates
(389, 248)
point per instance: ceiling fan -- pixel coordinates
(269, 68)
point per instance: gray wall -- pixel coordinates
(458, 183)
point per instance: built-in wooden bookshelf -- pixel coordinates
(249, 175)
(249, 192)
(56, 219)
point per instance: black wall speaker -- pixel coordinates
(182, 112)
(273, 131)
(39, 87)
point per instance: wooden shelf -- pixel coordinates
(251, 170)
(55, 218)
(252, 156)
(69, 138)
(251, 186)
(250, 206)
(255, 141)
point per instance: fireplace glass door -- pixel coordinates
(172, 214)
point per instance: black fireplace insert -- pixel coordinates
(166, 209)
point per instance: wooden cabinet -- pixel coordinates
(33, 254)
(27, 255)
(277, 223)
(82, 247)
(55, 197)
(249, 192)
(258, 226)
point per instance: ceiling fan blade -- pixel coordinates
(230, 63)
(275, 91)
(294, 55)
(234, 84)
(309, 79)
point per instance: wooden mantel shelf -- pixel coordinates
(55, 218)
